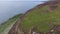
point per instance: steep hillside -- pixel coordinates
(42, 19)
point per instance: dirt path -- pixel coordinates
(7, 29)
(14, 29)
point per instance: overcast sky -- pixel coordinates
(23, 0)
(9, 8)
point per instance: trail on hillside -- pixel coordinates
(14, 29)
(7, 29)
(55, 29)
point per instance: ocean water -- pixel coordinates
(10, 8)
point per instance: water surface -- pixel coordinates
(11, 8)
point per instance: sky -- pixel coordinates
(9, 8)
(23, 0)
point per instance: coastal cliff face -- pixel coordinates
(42, 19)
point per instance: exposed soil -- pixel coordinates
(14, 29)
(54, 30)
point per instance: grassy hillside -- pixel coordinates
(41, 19)
(9, 22)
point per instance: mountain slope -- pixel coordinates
(42, 18)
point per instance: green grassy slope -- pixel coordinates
(41, 19)
(9, 22)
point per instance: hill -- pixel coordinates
(42, 19)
